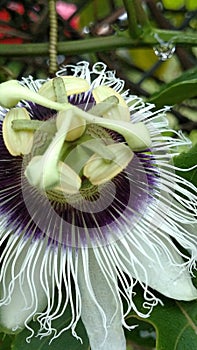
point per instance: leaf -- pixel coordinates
(65, 341)
(175, 323)
(144, 334)
(187, 160)
(5, 341)
(180, 89)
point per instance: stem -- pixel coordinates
(53, 37)
(173, 36)
(141, 14)
(107, 43)
(134, 29)
(138, 21)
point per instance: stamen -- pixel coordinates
(105, 106)
(77, 124)
(98, 171)
(70, 182)
(20, 141)
(101, 92)
(56, 87)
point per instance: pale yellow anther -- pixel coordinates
(73, 85)
(77, 124)
(17, 142)
(98, 171)
(118, 112)
(70, 182)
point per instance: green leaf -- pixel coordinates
(187, 160)
(180, 89)
(65, 341)
(5, 341)
(144, 334)
(175, 324)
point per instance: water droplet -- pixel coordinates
(164, 50)
(86, 30)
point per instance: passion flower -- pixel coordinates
(90, 205)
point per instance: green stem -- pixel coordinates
(138, 21)
(141, 14)
(134, 29)
(100, 44)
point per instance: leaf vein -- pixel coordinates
(188, 318)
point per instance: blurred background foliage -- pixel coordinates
(164, 73)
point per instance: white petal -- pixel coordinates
(101, 312)
(161, 268)
(24, 290)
